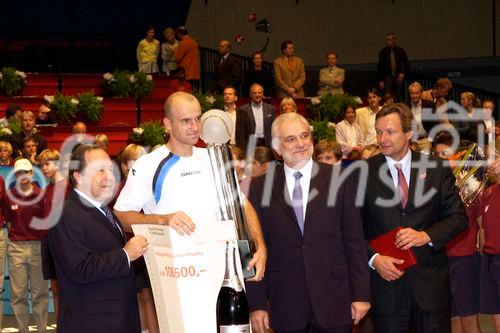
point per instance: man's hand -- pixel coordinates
(135, 247)
(408, 237)
(358, 148)
(384, 265)
(259, 262)
(180, 222)
(359, 310)
(260, 321)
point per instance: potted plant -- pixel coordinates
(65, 107)
(330, 106)
(142, 84)
(90, 105)
(209, 101)
(148, 134)
(12, 81)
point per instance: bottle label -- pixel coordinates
(234, 329)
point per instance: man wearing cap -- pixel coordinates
(20, 205)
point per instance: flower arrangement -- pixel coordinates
(5, 132)
(126, 83)
(66, 108)
(12, 81)
(148, 134)
(322, 130)
(331, 106)
(209, 101)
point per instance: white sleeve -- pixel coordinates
(137, 189)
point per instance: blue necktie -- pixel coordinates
(297, 201)
(111, 218)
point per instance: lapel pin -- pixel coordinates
(423, 175)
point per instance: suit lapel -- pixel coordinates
(379, 163)
(280, 195)
(317, 183)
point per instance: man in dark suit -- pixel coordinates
(317, 279)
(254, 118)
(393, 66)
(422, 110)
(416, 192)
(96, 288)
(228, 70)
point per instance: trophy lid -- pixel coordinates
(216, 127)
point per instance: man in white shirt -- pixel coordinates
(230, 97)
(317, 280)
(365, 117)
(421, 110)
(174, 185)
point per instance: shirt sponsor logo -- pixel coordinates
(190, 173)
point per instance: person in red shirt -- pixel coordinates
(20, 205)
(3, 247)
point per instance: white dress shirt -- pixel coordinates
(416, 110)
(258, 115)
(232, 114)
(305, 181)
(371, 135)
(348, 136)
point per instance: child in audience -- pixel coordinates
(24, 250)
(29, 147)
(6, 154)
(102, 141)
(260, 161)
(328, 151)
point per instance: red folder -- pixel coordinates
(386, 245)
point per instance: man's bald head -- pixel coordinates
(178, 98)
(224, 47)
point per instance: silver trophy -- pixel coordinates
(216, 130)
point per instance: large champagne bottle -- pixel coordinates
(233, 315)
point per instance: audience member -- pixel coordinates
(29, 148)
(128, 156)
(228, 70)
(442, 145)
(45, 116)
(28, 129)
(388, 98)
(254, 118)
(332, 77)
(6, 154)
(168, 52)
(92, 258)
(348, 133)
(79, 128)
(13, 110)
(24, 251)
(257, 73)
(365, 117)
(289, 72)
(463, 126)
(178, 83)
(440, 94)
(102, 141)
(393, 66)
(147, 52)
(328, 152)
(288, 105)
(421, 110)
(187, 55)
(230, 97)
(259, 163)
(239, 162)
(3, 248)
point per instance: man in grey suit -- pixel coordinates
(254, 118)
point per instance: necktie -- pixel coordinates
(402, 186)
(297, 201)
(111, 218)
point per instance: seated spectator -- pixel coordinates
(288, 105)
(239, 162)
(289, 72)
(29, 150)
(421, 110)
(332, 77)
(6, 154)
(128, 156)
(328, 152)
(168, 52)
(227, 70)
(24, 251)
(102, 140)
(440, 94)
(147, 52)
(179, 82)
(257, 73)
(369, 151)
(442, 146)
(488, 115)
(79, 128)
(469, 102)
(365, 117)
(348, 133)
(388, 99)
(230, 97)
(45, 116)
(28, 130)
(259, 163)
(13, 110)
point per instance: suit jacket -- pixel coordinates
(227, 73)
(286, 77)
(325, 267)
(427, 124)
(96, 288)
(245, 124)
(327, 83)
(384, 62)
(187, 55)
(442, 217)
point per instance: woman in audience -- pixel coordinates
(332, 77)
(440, 94)
(6, 154)
(260, 162)
(463, 126)
(388, 99)
(348, 133)
(168, 52)
(288, 105)
(239, 162)
(328, 151)
(257, 73)
(147, 52)
(102, 141)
